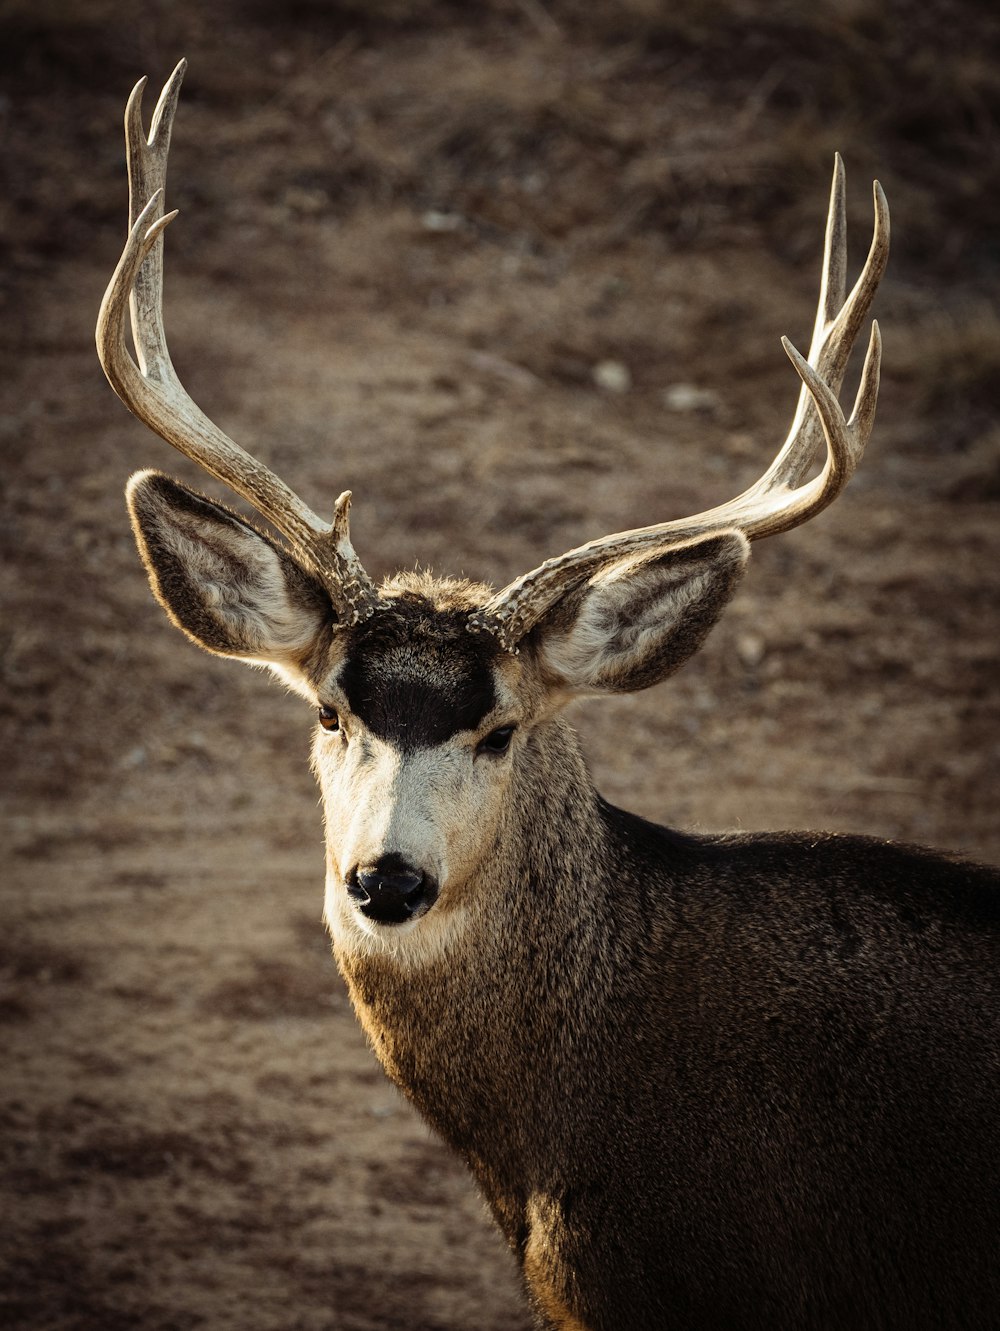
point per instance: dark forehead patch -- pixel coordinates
(416, 676)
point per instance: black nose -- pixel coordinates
(390, 891)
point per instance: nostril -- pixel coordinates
(377, 883)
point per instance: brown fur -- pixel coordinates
(744, 1081)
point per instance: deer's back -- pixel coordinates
(799, 1121)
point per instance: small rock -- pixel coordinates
(612, 375)
(750, 649)
(444, 222)
(689, 397)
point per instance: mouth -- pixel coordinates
(390, 915)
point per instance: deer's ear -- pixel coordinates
(634, 623)
(221, 581)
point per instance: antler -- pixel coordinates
(155, 394)
(777, 501)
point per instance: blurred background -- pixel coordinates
(515, 273)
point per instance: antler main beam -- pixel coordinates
(152, 390)
(778, 501)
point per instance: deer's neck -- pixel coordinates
(520, 1001)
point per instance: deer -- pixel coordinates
(702, 1081)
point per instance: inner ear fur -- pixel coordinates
(225, 584)
(635, 622)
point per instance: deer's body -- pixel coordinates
(746, 1081)
(749, 1094)
(717, 1082)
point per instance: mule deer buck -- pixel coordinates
(703, 1081)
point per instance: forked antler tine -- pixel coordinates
(153, 391)
(838, 322)
(777, 501)
(845, 440)
(147, 177)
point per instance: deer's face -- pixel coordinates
(419, 726)
(426, 724)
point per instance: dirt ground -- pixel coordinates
(515, 273)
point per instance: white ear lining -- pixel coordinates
(250, 602)
(222, 582)
(623, 613)
(638, 621)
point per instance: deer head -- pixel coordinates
(433, 696)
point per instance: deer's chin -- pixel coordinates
(425, 936)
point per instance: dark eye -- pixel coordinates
(329, 719)
(497, 741)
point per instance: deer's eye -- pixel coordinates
(497, 742)
(329, 719)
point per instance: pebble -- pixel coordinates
(612, 375)
(689, 397)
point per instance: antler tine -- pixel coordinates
(154, 393)
(838, 322)
(777, 501)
